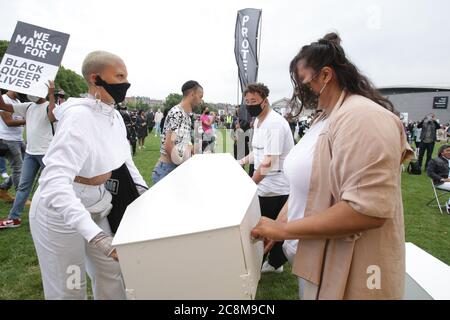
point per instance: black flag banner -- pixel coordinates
(246, 49)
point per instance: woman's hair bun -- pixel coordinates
(331, 37)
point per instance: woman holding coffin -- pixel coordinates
(345, 205)
(68, 215)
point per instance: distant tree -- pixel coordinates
(198, 109)
(172, 100)
(3, 46)
(137, 104)
(157, 106)
(71, 82)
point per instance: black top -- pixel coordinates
(438, 169)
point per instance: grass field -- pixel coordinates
(20, 275)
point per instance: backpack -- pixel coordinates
(414, 167)
(123, 191)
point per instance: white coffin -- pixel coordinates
(188, 237)
(427, 278)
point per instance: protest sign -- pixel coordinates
(32, 59)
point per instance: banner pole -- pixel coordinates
(238, 102)
(259, 40)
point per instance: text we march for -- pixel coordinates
(32, 58)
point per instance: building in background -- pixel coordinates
(414, 103)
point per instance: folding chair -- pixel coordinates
(437, 196)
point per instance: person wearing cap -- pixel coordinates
(176, 144)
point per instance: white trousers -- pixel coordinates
(64, 256)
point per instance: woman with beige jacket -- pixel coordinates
(343, 221)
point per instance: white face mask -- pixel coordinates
(33, 98)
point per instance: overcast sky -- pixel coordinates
(164, 43)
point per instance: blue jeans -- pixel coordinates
(30, 169)
(15, 157)
(161, 170)
(2, 165)
(157, 128)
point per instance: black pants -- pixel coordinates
(133, 146)
(271, 207)
(428, 147)
(207, 139)
(417, 144)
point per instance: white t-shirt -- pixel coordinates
(272, 138)
(298, 167)
(11, 133)
(90, 140)
(39, 128)
(158, 117)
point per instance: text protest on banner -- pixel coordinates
(32, 58)
(246, 48)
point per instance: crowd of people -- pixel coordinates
(424, 134)
(329, 189)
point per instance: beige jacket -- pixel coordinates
(358, 159)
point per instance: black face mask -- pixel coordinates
(254, 110)
(207, 113)
(117, 91)
(310, 99)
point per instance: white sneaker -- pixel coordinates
(5, 175)
(266, 267)
(447, 206)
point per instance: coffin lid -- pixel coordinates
(427, 271)
(205, 193)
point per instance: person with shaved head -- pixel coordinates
(69, 212)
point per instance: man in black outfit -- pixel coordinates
(130, 125)
(150, 120)
(429, 126)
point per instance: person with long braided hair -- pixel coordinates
(343, 223)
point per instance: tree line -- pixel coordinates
(74, 85)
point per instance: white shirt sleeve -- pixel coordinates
(21, 108)
(67, 154)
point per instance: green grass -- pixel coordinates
(19, 269)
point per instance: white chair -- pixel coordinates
(437, 196)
